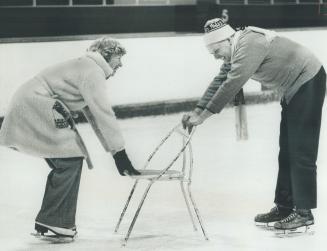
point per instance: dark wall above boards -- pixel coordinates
(57, 21)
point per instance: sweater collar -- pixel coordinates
(101, 62)
(235, 39)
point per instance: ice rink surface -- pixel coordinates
(233, 181)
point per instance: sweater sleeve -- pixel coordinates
(99, 113)
(214, 85)
(248, 56)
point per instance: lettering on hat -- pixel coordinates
(216, 25)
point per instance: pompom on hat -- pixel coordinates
(216, 30)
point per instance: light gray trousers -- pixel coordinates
(60, 198)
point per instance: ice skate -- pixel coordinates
(297, 223)
(267, 220)
(59, 235)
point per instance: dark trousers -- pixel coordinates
(60, 198)
(299, 139)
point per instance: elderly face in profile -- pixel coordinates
(111, 50)
(221, 50)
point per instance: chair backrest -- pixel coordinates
(185, 151)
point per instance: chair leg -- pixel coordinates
(137, 213)
(188, 206)
(125, 207)
(197, 212)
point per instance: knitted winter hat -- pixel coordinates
(216, 30)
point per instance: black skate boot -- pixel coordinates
(59, 234)
(40, 229)
(297, 222)
(277, 213)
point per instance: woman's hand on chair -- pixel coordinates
(124, 165)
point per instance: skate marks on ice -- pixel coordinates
(91, 239)
(80, 243)
(165, 241)
(159, 241)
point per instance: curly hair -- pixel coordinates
(107, 47)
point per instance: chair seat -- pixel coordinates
(151, 174)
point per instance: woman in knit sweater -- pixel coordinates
(281, 64)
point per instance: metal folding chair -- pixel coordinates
(183, 175)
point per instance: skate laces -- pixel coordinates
(289, 218)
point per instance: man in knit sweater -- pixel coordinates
(35, 123)
(281, 64)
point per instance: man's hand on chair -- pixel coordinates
(124, 165)
(194, 118)
(186, 117)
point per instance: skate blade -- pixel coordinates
(265, 226)
(53, 238)
(289, 233)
